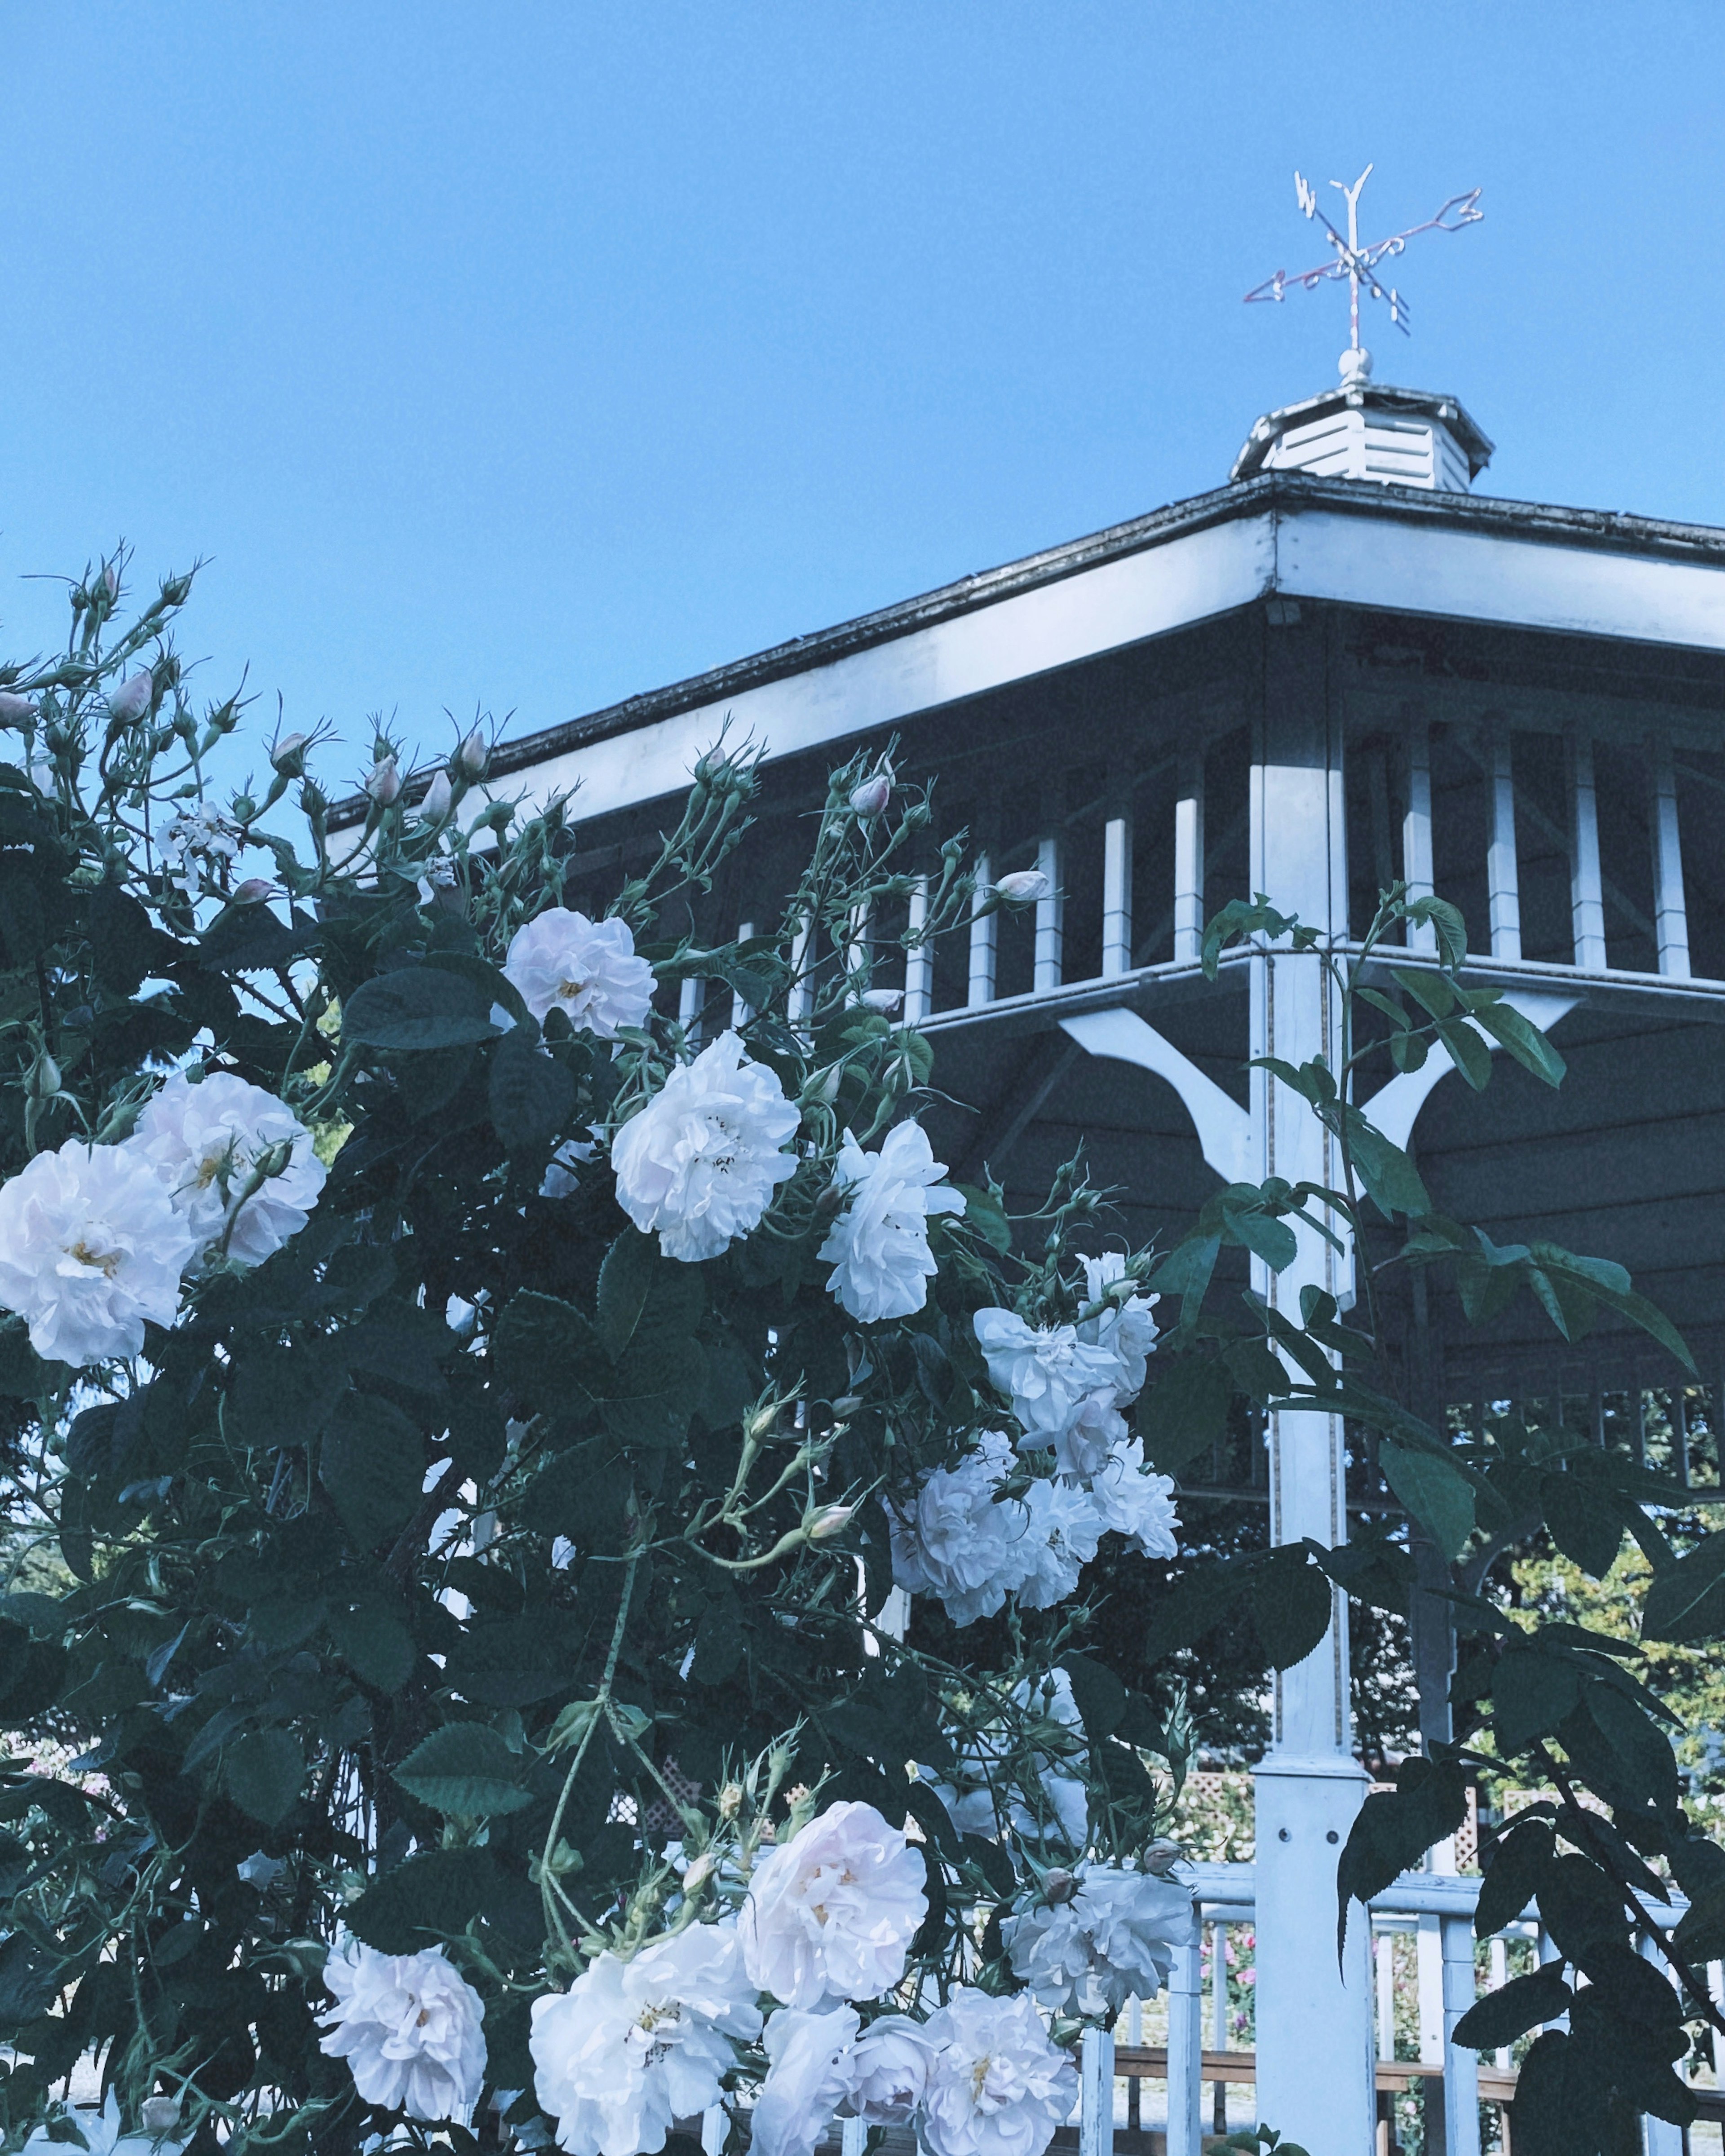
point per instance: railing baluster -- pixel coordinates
(1386, 1994)
(1502, 879)
(1662, 2137)
(1461, 2066)
(1500, 1977)
(1587, 896)
(1189, 862)
(1116, 898)
(919, 961)
(1185, 2048)
(1051, 919)
(982, 927)
(1095, 2093)
(741, 1013)
(689, 998)
(1670, 914)
(801, 1000)
(1416, 831)
(854, 2138)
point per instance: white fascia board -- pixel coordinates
(1185, 579)
(1424, 568)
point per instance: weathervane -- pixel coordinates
(1357, 266)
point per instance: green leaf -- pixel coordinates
(1438, 1496)
(429, 1899)
(1186, 1270)
(1581, 1908)
(1393, 1831)
(1521, 1040)
(1184, 1412)
(375, 1642)
(1513, 1876)
(1648, 1763)
(1586, 1521)
(283, 1396)
(985, 1212)
(372, 1463)
(1098, 1694)
(626, 1278)
(1687, 1600)
(1431, 991)
(1467, 1051)
(545, 1349)
(1290, 1602)
(1392, 1182)
(263, 1772)
(418, 1007)
(1191, 1606)
(29, 1981)
(531, 1094)
(1515, 2008)
(1530, 1694)
(465, 1771)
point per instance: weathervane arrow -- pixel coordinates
(1357, 265)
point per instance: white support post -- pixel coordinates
(1500, 1977)
(1428, 1952)
(741, 1013)
(1051, 919)
(1185, 2047)
(690, 999)
(1503, 879)
(982, 927)
(1386, 1994)
(1315, 2065)
(1461, 2066)
(801, 1001)
(1095, 2093)
(1660, 2137)
(853, 2137)
(919, 960)
(1670, 916)
(1218, 1987)
(1416, 830)
(1116, 898)
(1189, 862)
(715, 2125)
(1587, 894)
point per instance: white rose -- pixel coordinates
(878, 1247)
(808, 2075)
(587, 969)
(1127, 1331)
(409, 2027)
(701, 1160)
(953, 1540)
(997, 2087)
(632, 2045)
(1096, 1427)
(830, 1914)
(1134, 1503)
(1114, 1939)
(205, 1141)
(90, 1247)
(1045, 1371)
(889, 2071)
(1061, 1539)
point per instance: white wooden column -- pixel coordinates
(1670, 916)
(919, 960)
(1095, 2093)
(1315, 2065)
(1116, 898)
(1189, 861)
(1461, 2066)
(1502, 881)
(1185, 2046)
(1416, 827)
(1587, 894)
(1051, 919)
(982, 927)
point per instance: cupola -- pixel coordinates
(1363, 429)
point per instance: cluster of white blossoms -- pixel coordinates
(409, 2027)
(1100, 1935)
(94, 1239)
(878, 1247)
(960, 1537)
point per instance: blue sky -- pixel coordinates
(527, 355)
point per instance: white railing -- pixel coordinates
(1438, 1909)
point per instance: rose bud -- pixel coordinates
(886, 1001)
(1023, 887)
(110, 581)
(872, 796)
(474, 755)
(289, 756)
(820, 1526)
(383, 781)
(131, 699)
(1058, 1885)
(253, 891)
(438, 799)
(159, 2115)
(15, 710)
